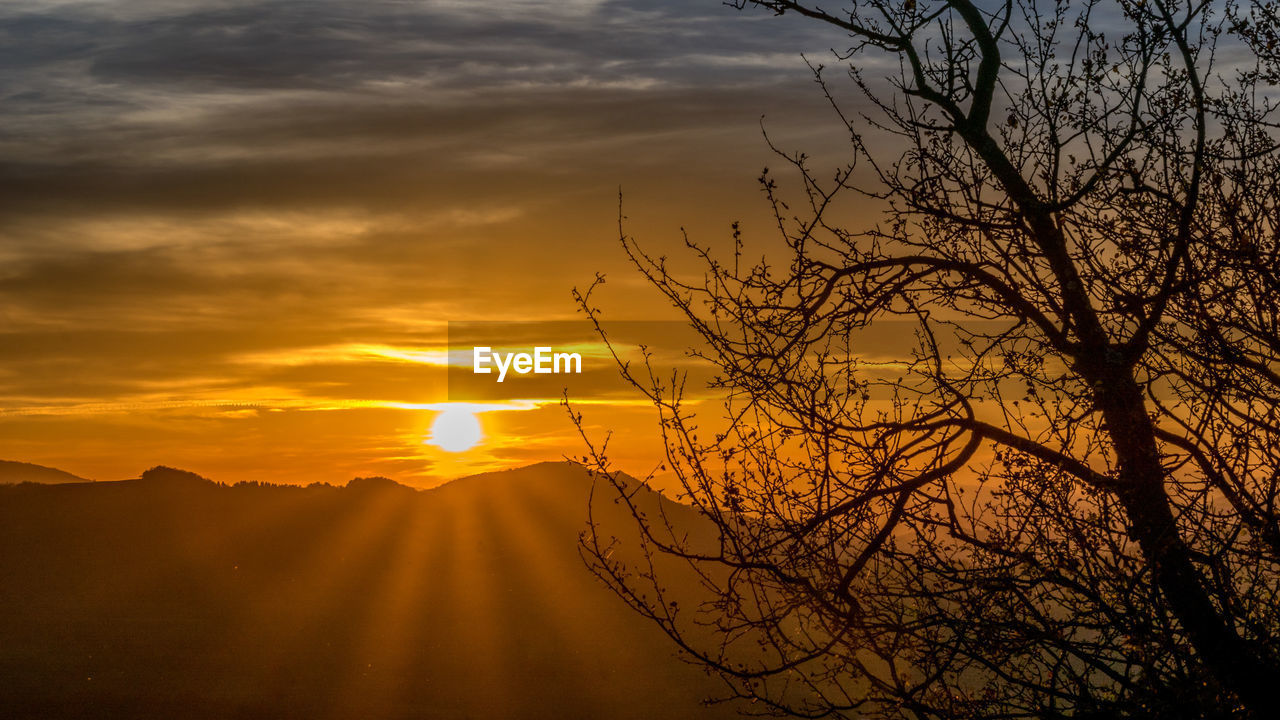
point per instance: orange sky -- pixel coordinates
(232, 233)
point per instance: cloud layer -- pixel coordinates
(187, 184)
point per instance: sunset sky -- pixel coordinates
(233, 234)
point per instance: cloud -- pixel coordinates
(69, 63)
(189, 185)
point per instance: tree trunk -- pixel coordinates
(1235, 664)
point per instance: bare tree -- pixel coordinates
(1063, 501)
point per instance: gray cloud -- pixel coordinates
(66, 58)
(188, 181)
(206, 106)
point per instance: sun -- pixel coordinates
(455, 429)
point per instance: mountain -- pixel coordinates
(150, 598)
(12, 473)
(162, 474)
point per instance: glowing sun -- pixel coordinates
(455, 429)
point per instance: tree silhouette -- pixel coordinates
(1063, 501)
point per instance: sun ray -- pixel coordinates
(402, 617)
(329, 572)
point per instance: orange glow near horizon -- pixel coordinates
(249, 271)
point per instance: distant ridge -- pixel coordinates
(377, 484)
(171, 595)
(12, 473)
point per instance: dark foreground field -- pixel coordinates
(180, 598)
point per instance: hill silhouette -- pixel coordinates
(162, 474)
(174, 596)
(12, 473)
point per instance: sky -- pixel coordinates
(233, 234)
